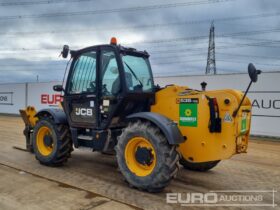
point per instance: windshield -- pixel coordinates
(138, 73)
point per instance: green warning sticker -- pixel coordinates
(244, 123)
(188, 112)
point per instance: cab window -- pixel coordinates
(83, 78)
(110, 74)
(138, 74)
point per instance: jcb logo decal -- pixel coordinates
(83, 112)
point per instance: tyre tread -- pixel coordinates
(169, 168)
(65, 147)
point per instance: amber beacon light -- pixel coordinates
(114, 40)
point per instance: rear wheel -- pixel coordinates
(52, 142)
(145, 158)
(204, 166)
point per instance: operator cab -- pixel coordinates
(105, 84)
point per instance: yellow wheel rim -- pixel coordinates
(133, 163)
(43, 148)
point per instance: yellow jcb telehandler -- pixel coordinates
(110, 103)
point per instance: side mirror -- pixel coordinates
(253, 72)
(65, 51)
(58, 88)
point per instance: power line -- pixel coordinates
(175, 45)
(159, 25)
(221, 60)
(31, 70)
(184, 50)
(107, 11)
(177, 62)
(29, 49)
(30, 3)
(238, 61)
(158, 58)
(154, 59)
(255, 39)
(164, 56)
(245, 33)
(32, 65)
(249, 56)
(171, 58)
(204, 48)
(268, 42)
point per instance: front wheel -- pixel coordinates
(145, 158)
(204, 166)
(52, 142)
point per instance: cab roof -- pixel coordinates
(119, 48)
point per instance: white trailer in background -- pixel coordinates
(12, 98)
(41, 95)
(265, 96)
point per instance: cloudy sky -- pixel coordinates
(175, 33)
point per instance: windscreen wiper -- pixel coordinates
(133, 73)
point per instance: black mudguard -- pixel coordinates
(58, 115)
(167, 126)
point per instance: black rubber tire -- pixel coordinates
(202, 167)
(167, 161)
(62, 143)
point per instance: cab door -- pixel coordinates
(80, 99)
(111, 86)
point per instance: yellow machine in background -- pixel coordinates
(110, 103)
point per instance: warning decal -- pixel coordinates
(228, 118)
(244, 123)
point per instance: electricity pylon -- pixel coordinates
(211, 61)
